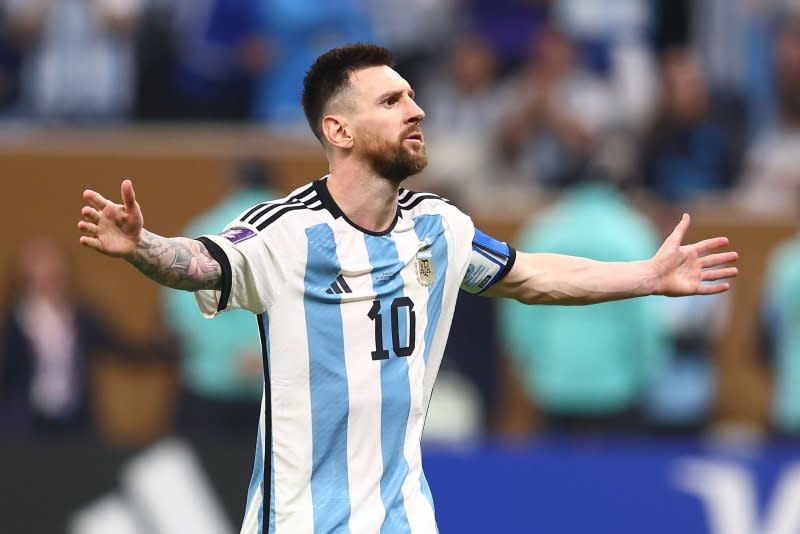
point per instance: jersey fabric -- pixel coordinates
(353, 325)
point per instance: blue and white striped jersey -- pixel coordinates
(353, 325)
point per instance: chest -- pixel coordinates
(343, 265)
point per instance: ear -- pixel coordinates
(337, 131)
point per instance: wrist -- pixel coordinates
(651, 278)
(138, 243)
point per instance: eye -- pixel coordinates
(392, 100)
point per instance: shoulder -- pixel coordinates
(264, 215)
(421, 203)
(228, 209)
(423, 208)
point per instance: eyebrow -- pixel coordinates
(397, 92)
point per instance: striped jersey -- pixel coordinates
(353, 325)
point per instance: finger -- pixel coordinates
(90, 242)
(128, 195)
(97, 200)
(719, 274)
(88, 229)
(713, 260)
(90, 214)
(713, 289)
(708, 245)
(680, 230)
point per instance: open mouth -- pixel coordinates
(415, 137)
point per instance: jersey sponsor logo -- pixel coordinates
(339, 286)
(425, 268)
(237, 234)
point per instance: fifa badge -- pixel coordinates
(425, 267)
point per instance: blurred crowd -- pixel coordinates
(686, 99)
(578, 100)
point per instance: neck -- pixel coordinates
(368, 200)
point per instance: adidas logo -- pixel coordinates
(338, 286)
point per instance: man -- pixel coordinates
(354, 281)
(95, 39)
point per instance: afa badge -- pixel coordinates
(425, 267)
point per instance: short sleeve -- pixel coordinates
(250, 271)
(490, 260)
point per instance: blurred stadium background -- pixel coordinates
(577, 126)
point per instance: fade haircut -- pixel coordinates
(330, 75)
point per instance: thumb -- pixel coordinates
(680, 230)
(128, 195)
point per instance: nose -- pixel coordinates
(417, 113)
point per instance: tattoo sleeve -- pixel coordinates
(177, 262)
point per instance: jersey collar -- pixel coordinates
(321, 186)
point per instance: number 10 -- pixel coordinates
(375, 314)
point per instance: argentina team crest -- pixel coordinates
(425, 267)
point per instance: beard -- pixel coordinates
(393, 161)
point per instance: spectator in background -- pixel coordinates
(672, 23)
(613, 38)
(9, 67)
(681, 398)
(219, 54)
(221, 365)
(587, 368)
(754, 61)
(694, 144)
(155, 61)
(780, 321)
(78, 57)
(772, 178)
(301, 31)
(416, 31)
(508, 26)
(558, 109)
(49, 336)
(465, 112)
(599, 27)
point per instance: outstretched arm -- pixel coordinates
(675, 270)
(117, 230)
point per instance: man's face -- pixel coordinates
(386, 123)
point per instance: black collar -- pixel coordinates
(321, 186)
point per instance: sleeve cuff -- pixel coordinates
(219, 255)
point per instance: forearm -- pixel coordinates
(176, 262)
(570, 280)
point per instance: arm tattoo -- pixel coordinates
(177, 262)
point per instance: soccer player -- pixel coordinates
(354, 280)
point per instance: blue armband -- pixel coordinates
(489, 262)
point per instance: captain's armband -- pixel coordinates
(489, 262)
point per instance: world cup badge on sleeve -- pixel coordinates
(425, 267)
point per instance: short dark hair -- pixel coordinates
(330, 74)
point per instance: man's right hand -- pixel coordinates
(110, 228)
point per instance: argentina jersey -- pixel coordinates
(353, 326)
